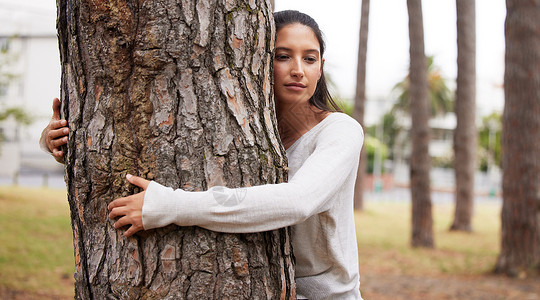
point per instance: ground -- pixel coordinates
(378, 286)
(381, 286)
(458, 268)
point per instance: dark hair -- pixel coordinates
(321, 99)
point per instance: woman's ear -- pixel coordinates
(321, 69)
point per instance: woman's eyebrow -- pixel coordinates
(312, 51)
(283, 49)
(289, 49)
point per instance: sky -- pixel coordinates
(388, 44)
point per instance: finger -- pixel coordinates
(123, 221)
(117, 212)
(56, 108)
(57, 124)
(59, 159)
(57, 153)
(118, 203)
(56, 144)
(138, 181)
(132, 230)
(60, 142)
(58, 134)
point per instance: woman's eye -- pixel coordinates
(281, 56)
(310, 59)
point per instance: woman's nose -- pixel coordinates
(297, 69)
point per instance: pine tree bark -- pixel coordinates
(178, 92)
(422, 220)
(465, 135)
(520, 216)
(360, 100)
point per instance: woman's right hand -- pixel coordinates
(55, 135)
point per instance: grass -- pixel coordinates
(384, 230)
(36, 250)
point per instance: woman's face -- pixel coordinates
(297, 64)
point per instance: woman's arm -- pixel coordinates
(54, 136)
(258, 208)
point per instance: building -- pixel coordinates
(30, 33)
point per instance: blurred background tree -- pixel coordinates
(520, 214)
(465, 132)
(360, 99)
(419, 162)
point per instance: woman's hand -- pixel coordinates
(54, 136)
(129, 209)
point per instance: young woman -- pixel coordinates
(323, 148)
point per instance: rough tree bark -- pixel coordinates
(520, 216)
(178, 92)
(422, 220)
(465, 139)
(360, 100)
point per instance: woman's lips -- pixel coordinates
(297, 86)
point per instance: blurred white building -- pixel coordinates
(34, 60)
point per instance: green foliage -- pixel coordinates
(20, 115)
(490, 153)
(391, 130)
(446, 161)
(346, 106)
(372, 145)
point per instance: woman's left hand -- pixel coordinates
(129, 209)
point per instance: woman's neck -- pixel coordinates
(297, 119)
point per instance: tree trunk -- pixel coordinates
(360, 100)
(422, 220)
(179, 92)
(465, 133)
(520, 231)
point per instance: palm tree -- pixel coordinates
(441, 100)
(360, 100)
(520, 216)
(465, 135)
(422, 219)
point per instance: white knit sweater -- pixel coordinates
(317, 202)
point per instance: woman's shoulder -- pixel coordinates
(340, 116)
(336, 128)
(338, 121)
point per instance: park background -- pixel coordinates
(384, 252)
(38, 67)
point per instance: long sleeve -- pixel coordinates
(265, 207)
